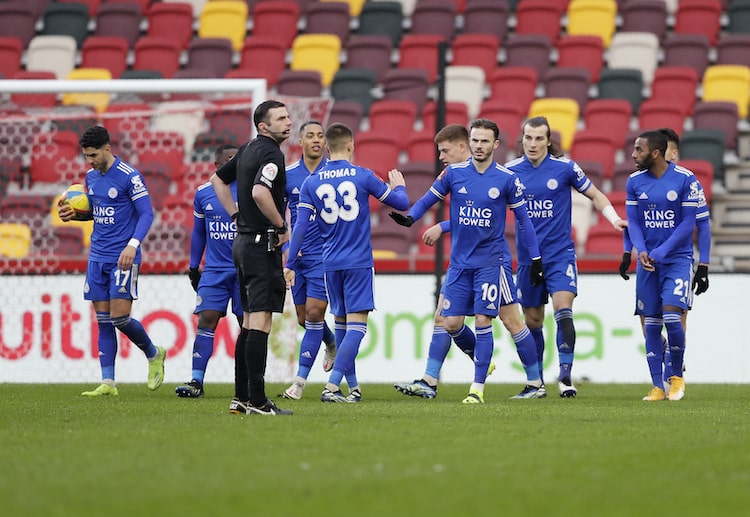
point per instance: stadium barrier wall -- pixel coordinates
(47, 334)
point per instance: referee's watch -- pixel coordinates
(282, 229)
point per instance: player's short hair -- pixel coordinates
(540, 121)
(452, 133)
(222, 148)
(95, 136)
(485, 123)
(311, 122)
(671, 135)
(655, 140)
(338, 135)
(261, 112)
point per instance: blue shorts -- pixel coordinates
(670, 284)
(215, 290)
(308, 282)
(105, 281)
(558, 276)
(350, 290)
(472, 291)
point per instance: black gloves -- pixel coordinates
(195, 276)
(700, 280)
(403, 220)
(624, 265)
(537, 272)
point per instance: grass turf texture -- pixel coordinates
(603, 453)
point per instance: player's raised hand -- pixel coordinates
(403, 220)
(624, 265)
(396, 178)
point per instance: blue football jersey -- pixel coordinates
(218, 226)
(113, 195)
(478, 206)
(660, 203)
(546, 189)
(338, 194)
(296, 174)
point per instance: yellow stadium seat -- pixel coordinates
(562, 115)
(15, 240)
(86, 226)
(224, 20)
(318, 52)
(99, 101)
(730, 83)
(592, 18)
(355, 6)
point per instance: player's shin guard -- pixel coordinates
(240, 367)
(136, 333)
(438, 351)
(566, 340)
(107, 344)
(255, 361)
(653, 326)
(309, 347)
(538, 334)
(482, 353)
(676, 338)
(465, 339)
(203, 347)
(526, 349)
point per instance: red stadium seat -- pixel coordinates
(603, 240)
(105, 52)
(369, 51)
(119, 20)
(656, 113)
(487, 17)
(11, 50)
(532, 50)
(393, 116)
(407, 83)
(704, 171)
(699, 17)
(476, 50)
(594, 146)
(455, 113)
(720, 115)
(506, 113)
(18, 21)
(539, 17)
(676, 84)
(610, 117)
(171, 20)
(582, 51)
(210, 55)
(56, 158)
(420, 51)
(420, 147)
(436, 17)
(277, 20)
(691, 50)
(158, 54)
(516, 83)
(377, 150)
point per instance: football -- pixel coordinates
(75, 197)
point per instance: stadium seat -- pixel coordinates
(169, 239)
(18, 21)
(261, 58)
(196, 173)
(166, 149)
(571, 83)
(93, 5)
(705, 144)
(594, 170)
(15, 240)
(407, 84)
(644, 16)
(506, 113)
(117, 19)
(277, 20)
(373, 52)
(145, 4)
(621, 173)
(638, 50)
(346, 112)
(723, 116)
(384, 18)
(540, 17)
(355, 6)
(171, 20)
(476, 50)
(105, 52)
(393, 116)
(733, 49)
(157, 54)
(395, 241)
(127, 118)
(328, 18)
(528, 50)
(621, 83)
(465, 84)
(319, 52)
(603, 240)
(10, 172)
(56, 158)
(487, 17)
(675, 84)
(704, 171)
(197, 5)
(11, 50)
(204, 146)
(98, 101)
(590, 145)
(691, 50)
(562, 115)
(420, 51)
(592, 18)
(419, 176)
(35, 100)
(66, 20)
(354, 84)
(377, 150)
(699, 17)
(610, 117)
(420, 146)
(581, 52)
(514, 82)
(455, 113)
(72, 118)
(653, 114)
(739, 17)
(224, 19)
(436, 17)
(407, 6)
(728, 83)
(212, 55)
(180, 117)
(177, 209)
(65, 241)
(231, 121)
(300, 83)
(51, 54)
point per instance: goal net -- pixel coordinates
(169, 130)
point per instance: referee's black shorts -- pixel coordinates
(261, 276)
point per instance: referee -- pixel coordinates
(260, 173)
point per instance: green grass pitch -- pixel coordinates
(603, 453)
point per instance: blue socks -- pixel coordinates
(439, 346)
(107, 344)
(328, 337)
(310, 345)
(676, 338)
(526, 348)
(482, 353)
(566, 340)
(538, 334)
(203, 348)
(654, 350)
(136, 333)
(348, 348)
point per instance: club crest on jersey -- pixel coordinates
(269, 171)
(672, 195)
(446, 304)
(494, 192)
(552, 184)
(112, 193)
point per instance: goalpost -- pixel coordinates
(48, 332)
